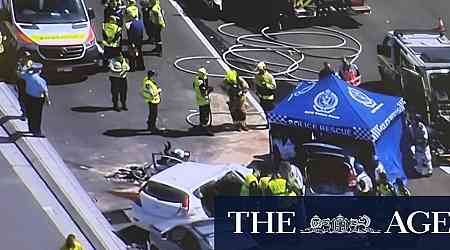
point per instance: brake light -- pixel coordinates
(185, 204)
(23, 37)
(357, 2)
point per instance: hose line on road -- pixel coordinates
(270, 42)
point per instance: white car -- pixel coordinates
(197, 235)
(186, 191)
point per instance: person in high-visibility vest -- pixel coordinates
(119, 87)
(202, 91)
(154, 24)
(152, 95)
(71, 243)
(131, 12)
(264, 185)
(401, 189)
(278, 186)
(236, 88)
(384, 188)
(301, 4)
(265, 87)
(250, 187)
(112, 36)
(349, 72)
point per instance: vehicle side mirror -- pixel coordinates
(91, 13)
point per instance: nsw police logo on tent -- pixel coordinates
(301, 89)
(325, 102)
(362, 98)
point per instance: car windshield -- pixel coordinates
(49, 11)
(164, 193)
(440, 84)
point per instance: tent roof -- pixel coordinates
(332, 106)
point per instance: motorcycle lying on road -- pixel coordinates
(140, 173)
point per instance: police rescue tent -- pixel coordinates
(333, 107)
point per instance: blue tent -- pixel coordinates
(332, 106)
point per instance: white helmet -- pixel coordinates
(179, 153)
(261, 66)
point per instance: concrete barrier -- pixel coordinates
(49, 165)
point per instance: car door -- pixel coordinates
(387, 60)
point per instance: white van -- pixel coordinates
(58, 33)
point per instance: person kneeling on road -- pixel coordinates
(236, 88)
(152, 95)
(202, 91)
(119, 87)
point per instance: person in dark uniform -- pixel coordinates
(24, 63)
(135, 40)
(36, 95)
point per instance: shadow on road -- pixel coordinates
(91, 109)
(133, 235)
(6, 140)
(174, 133)
(170, 133)
(65, 79)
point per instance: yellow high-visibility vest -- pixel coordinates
(151, 91)
(112, 31)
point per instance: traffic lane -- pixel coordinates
(370, 31)
(86, 132)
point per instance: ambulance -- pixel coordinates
(58, 33)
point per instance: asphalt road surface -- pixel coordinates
(90, 136)
(94, 140)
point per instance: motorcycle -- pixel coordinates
(160, 161)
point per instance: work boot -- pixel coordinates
(236, 126)
(116, 108)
